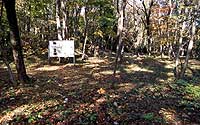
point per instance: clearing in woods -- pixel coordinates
(143, 91)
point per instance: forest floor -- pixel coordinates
(143, 92)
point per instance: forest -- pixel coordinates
(133, 62)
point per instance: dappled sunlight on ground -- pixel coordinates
(26, 110)
(88, 92)
(126, 87)
(96, 60)
(132, 68)
(49, 68)
(108, 72)
(170, 116)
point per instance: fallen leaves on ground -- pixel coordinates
(88, 93)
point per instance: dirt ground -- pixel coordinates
(142, 92)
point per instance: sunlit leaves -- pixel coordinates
(101, 91)
(193, 91)
(99, 33)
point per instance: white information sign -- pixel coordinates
(61, 48)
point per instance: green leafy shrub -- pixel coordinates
(148, 116)
(182, 82)
(193, 91)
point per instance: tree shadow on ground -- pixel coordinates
(138, 71)
(82, 93)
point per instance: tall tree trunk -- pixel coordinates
(3, 52)
(58, 7)
(147, 12)
(16, 41)
(76, 21)
(11, 76)
(29, 18)
(85, 31)
(64, 20)
(190, 46)
(177, 61)
(121, 9)
(58, 22)
(148, 35)
(168, 29)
